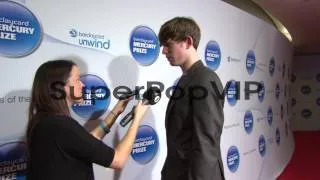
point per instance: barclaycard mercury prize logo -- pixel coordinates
(250, 62)
(90, 40)
(146, 145)
(248, 121)
(233, 159)
(96, 98)
(144, 45)
(13, 160)
(20, 30)
(262, 146)
(213, 55)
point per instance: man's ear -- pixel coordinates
(189, 42)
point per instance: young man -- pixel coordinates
(194, 116)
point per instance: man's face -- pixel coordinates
(175, 52)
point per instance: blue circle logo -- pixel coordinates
(277, 91)
(306, 113)
(318, 101)
(13, 160)
(233, 159)
(272, 66)
(270, 115)
(250, 62)
(278, 136)
(262, 146)
(213, 55)
(283, 70)
(144, 45)
(146, 145)
(248, 121)
(305, 90)
(261, 91)
(232, 92)
(20, 30)
(96, 97)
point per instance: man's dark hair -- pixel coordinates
(178, 29)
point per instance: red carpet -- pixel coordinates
(304, 164)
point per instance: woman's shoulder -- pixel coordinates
(54, 119)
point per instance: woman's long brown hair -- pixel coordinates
(48, 95)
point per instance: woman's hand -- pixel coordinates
(140, 110)
(121, 106)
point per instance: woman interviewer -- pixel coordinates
(60, 148)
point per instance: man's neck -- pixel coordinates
(189, 62)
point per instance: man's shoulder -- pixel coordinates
(206, 73)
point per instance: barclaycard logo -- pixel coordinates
(90, 40)
(73, 33)
(231, 59)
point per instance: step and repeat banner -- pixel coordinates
(115, 44)
(306, 93)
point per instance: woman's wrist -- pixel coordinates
(104, 127)
(114, 113)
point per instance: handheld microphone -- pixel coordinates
(129, 94)
(151, 96)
